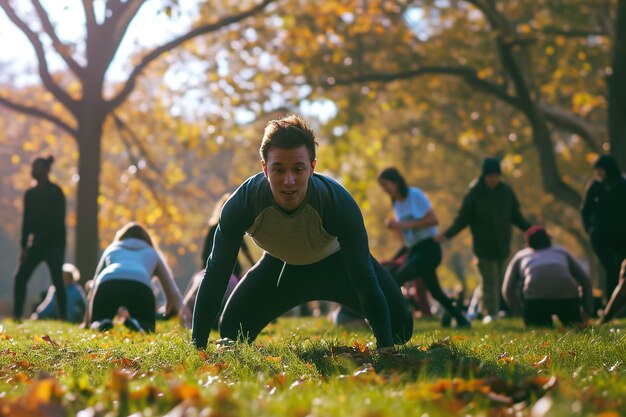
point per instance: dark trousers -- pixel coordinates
(138, 299)
(538, 312)
(423, 260)
(258, 298)
(611, 253)
(53, 256)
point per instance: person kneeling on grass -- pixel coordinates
(75, 295)
(122, 286)
(315, 244)
(550, 278)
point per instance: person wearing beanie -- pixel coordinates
(489, 208)
(604, 217)
(550, 281)
(43, 236)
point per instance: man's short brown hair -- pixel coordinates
(290, 132)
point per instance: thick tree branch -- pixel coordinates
(157, 52)
(569, 122)
(572, 33)
(90, 14)
(558, 117)
(468, 74)
(62, 49)
(114, 28)
(488, 11)
(33, 111)
(550, 175)
(123, 21)
(44, 72)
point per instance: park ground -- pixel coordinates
(306, 367)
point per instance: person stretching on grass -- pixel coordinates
(550, 279)
(315, 244)
(122, 284)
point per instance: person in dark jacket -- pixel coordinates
(208, 241)
(604, 217)
(43, 236)
(489, 208)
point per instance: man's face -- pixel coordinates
(492, 180)
(288, 172)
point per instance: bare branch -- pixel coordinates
(90, 15)
(44, 72)
(121, 125)
(120, 15)
(470, 75)
(152, 187)
(572, 123)
(558, 117)
(573, 33)
(157, 52)
(60, 47)
(33, 111)
(127, 15)
(488, 11)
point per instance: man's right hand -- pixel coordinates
(23, 255)
(441, 238)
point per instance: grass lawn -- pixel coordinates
(306, 367)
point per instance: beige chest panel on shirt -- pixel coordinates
(298, 239)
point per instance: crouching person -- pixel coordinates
(315, 244)
(122, 287)
(543, 280)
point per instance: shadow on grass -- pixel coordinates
(442, 359)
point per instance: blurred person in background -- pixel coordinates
(122, 288)
(76, 299)
(43, 237)
(551, 282)
(604, 218)
(489, 208)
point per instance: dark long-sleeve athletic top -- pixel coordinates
(208, 246)
(328, 221)
(44, 216)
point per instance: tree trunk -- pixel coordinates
(89, 139)
(617, 89)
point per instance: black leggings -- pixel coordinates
(422, 262)
(257, 299)
(538, 312)
(138, 299)
(54, 257)
(611, 253)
